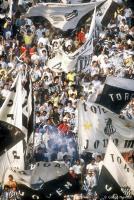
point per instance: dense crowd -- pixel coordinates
(27, 44)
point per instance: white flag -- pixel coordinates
(62, 16)
(45, 171)
(10, 9)
(66, 63)
(11, 109)
(96, 124)
(116, 179)
(118, 167)
(14, 157)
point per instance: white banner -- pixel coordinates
(118, 167)
(62, 16)
(17, 107)
(40, 173)
(96, 124)
(14, 157)
(11, 109)
(66, 63)
(71, 1)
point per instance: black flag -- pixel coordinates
(107, 186)
(116, 94)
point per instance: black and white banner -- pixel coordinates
(116, 180)
(11, 129)
(16, 117)
(105, 12)
(116, 94)
(14, 157)
(17, 107)
(62, 16)
(44, 181)
(96, 124)
(27, 106)
(63, 62)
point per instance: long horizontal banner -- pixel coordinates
(46, 180)
(97, 124)
(62, 16)
(69, 62)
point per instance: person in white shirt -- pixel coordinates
(92, 166)
(77, 169)
(44, 40)
(39, 32)
(128, 14)
(35, 57)
(91, 183)
(99, 163)
(5, 91)
(61, 154)
(96, 82)
(69, 108)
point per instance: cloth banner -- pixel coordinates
(63, 62)
(116, 180)
(101, 13)
(44, 181)
(71, 1)
(62, 16)
(14, 157)
(18, 106)
(96, 124)
(11, 129)
(116, 94)
(16, 117)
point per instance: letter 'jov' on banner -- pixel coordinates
(96, 124)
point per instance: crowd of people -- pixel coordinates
(27, 44)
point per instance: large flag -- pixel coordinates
(13, 157)
(66, 63)
(15, 117)
(96, 124)
(62, 16)
(46, 180)
(116, 180)
(116, 94)
(11, 129)
(17, 108)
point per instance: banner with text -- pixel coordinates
(116, 180)
(116, 94)
(46, 180)
(96, 124)
(70, 62)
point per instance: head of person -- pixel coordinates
(98, 158)
(6, 188)
(78, 162)
(10, 177)
(14, 188)
(93, 161)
